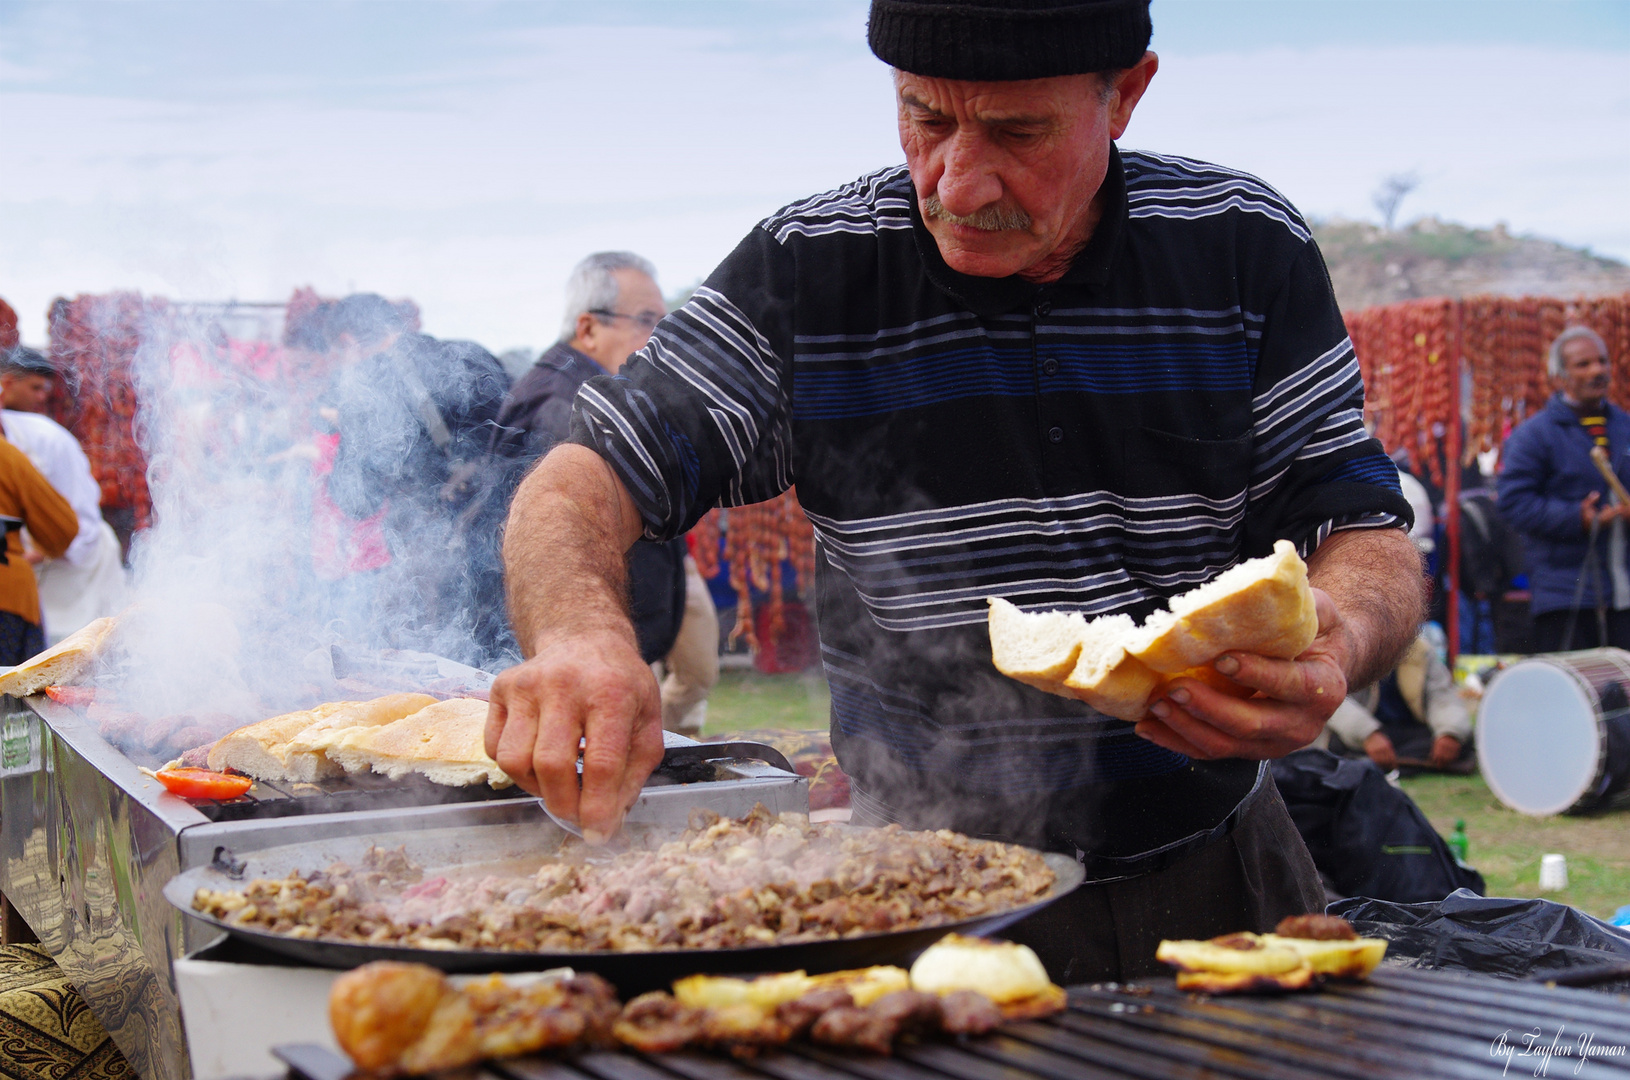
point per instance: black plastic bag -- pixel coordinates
(1367, 837)
(1511, 937)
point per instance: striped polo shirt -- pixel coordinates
(1184, 396)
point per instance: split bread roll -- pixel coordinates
(306, 755)
(444, 742)
(62, 663)
(261, 749)
(1263, 606)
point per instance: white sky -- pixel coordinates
(467, 154)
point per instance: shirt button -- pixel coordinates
(1055, 434)
(1043, 307)
(1049, 366)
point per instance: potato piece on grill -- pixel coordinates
(721, 992)
(1216, 982)
(1231, 954)
(381, 1010)
(1339, 959)
(1001, 970)
(865, 985)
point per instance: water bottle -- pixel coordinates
(1457, 841)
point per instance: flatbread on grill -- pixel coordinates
(60, 665)
(306, 755)
(444, 742)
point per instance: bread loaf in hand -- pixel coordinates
(1262, 606)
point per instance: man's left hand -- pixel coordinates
(1293, 699)
(1445, 749)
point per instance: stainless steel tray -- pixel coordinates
(440, 850)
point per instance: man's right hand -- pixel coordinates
(1590, 512)
(1381, 751)
(591, 686)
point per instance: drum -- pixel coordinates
(1553, 732)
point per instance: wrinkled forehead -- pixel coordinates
(1581, 350)
(1017, 99)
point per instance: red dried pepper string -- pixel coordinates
(1408, 395)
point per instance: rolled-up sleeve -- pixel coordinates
(1315, 470)
(700, 416)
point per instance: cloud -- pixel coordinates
(468, 155)
(1492, 135)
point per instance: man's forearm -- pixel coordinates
(1374, 576)
(570, 527)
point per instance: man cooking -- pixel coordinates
(1025, 364)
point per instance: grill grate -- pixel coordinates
(1403, 1024)
(368, 791)
(272, 799)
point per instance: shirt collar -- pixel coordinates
(998, 296)
(562, 357)
(1565, 412)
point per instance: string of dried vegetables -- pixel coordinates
(1402, 349)
(93, 343)
(757, 540)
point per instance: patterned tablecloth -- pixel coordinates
(46, 1030)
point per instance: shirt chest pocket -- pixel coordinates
(1165, 464)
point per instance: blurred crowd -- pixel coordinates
(1542, 561)
(410, 447)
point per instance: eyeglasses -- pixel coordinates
(646, 319)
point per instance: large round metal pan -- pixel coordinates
(441, 850)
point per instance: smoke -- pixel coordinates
(248, 574)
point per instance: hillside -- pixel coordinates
(1371, 266)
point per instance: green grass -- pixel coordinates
(746, 699)
(1506, 846)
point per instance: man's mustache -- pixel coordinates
(992, 218)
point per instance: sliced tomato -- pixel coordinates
(71, 695)
(203, 783)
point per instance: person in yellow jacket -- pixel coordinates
(29, 501)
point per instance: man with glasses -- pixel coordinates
(612, 305)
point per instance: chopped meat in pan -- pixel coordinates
(764, 879)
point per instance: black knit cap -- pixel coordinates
(994, 40)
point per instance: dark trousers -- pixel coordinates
(1248, 879)
(1550, 628)
(19, 639)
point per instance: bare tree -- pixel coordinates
(1391, 193)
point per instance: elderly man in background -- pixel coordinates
(1552, 492)
(88, 581)
(1024, 364)
(612, 305)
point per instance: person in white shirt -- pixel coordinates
(89, 581)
